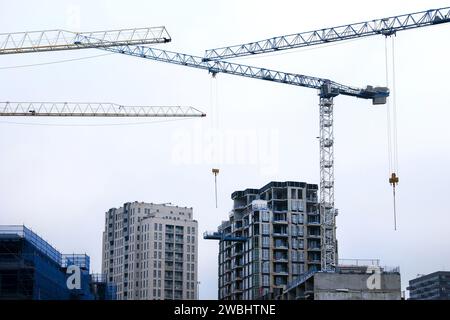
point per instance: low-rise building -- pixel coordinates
(433, 286)
(32, 269)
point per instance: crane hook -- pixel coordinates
(393, 180)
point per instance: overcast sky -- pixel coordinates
(59, 180)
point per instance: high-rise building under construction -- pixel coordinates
(281, 226)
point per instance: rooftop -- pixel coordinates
(20, 231)
(274, 184)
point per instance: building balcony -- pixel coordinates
(280, 272)
(280, 221)
(280, 234)
(281, 260)
(281, 247)
(314, 248)
(315, 236)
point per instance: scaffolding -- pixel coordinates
(31, 269)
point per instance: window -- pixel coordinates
(266, 241)
(294, 256)
(300, 220)
(265, 228)
(265, 215)
(265, 267)
(301, 256)
(300, 231)
(265, 254)
(265, 281)
(294, 218)
(294, 231)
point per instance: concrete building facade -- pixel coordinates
(346, 283)
(281, 222)
(150, 251)
(433, 286)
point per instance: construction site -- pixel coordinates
(147, 120)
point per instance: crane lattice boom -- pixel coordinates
(384, 26)
(87, 109)
(328, 87)
(54, 40)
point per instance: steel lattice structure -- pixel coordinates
(327, 210)
(55, 40)
(328, 90)
(89, 109)
(385, 26)
(376, 94)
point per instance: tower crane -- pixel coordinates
(328, 89)
(386, 26)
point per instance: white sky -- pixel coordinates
(60, 180)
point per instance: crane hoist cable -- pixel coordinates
(215, 152)
(391, 120)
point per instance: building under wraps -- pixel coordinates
(31, 269)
